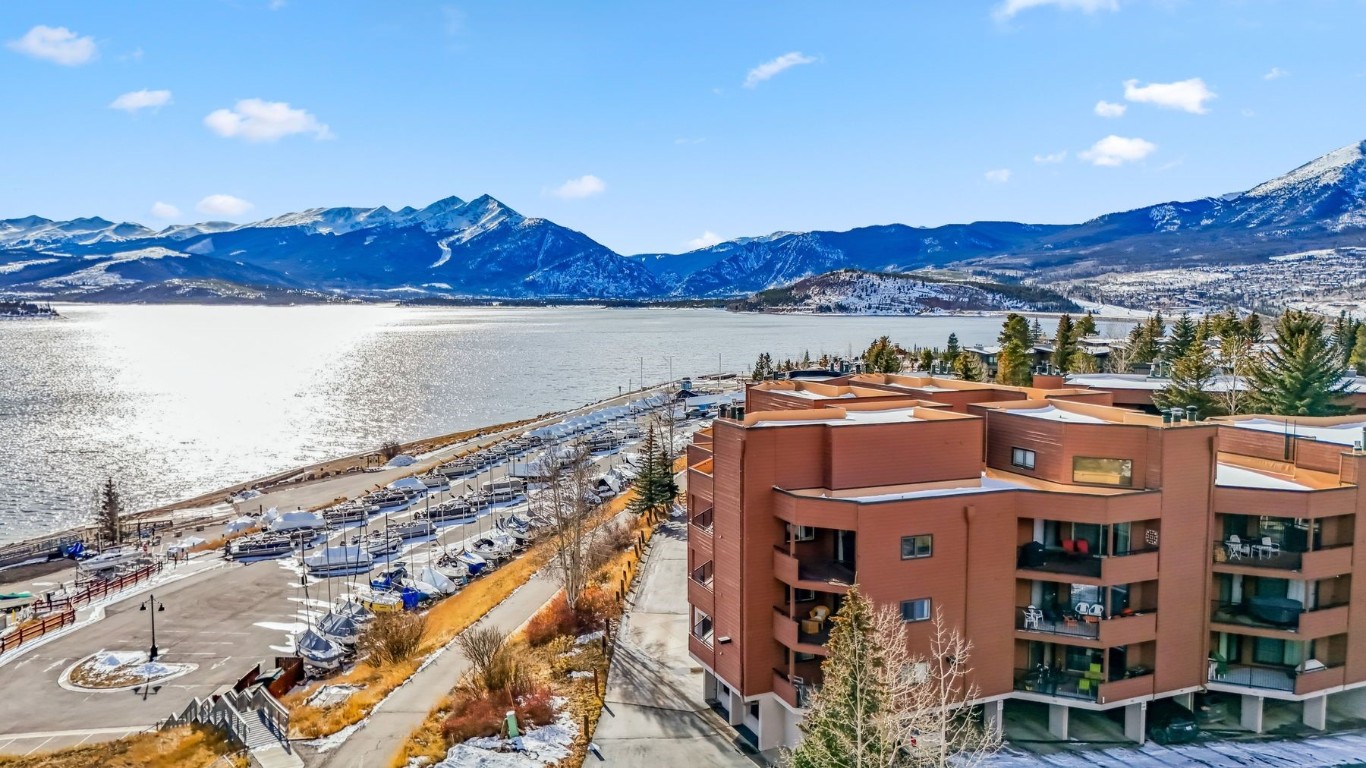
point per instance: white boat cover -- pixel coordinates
(343, 556)
(408, 484)
(318, 649)
(401, 460)
(437, 580)
(293, 521)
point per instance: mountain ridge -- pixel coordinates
(483, 248)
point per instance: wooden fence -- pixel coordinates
(35, 629)
(98, 591)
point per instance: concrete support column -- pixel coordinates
(1252, 713)
(737, 708)
(1136, 721)
(1057, 720)
(772, 723)
(1186, 700)
(993, 717)
(708, 686)
(1316, 712)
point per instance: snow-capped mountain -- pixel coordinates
(852, 291)
(483, 248)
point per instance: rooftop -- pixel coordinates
(989, 481)
(1345, 432)
(1075, 412)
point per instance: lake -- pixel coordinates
(179, 400)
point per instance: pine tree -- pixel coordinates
(951, 351)
(1015, 362)
(1252, 328)
(1035, 332)
(926, 359)
(1192, 380)
(1144, 340)
(882, 356)
(1184, 334)
(968, 367)
(1064, 344)
(763, 367)
(109, 514)
(1358, 359)
(1086, 326)
(849, 723)
(1301, 374)
(1344, 336)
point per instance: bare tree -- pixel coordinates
(1121, 358)
(1237, 358)
(566, 503)
(493, 665)
(881, 706)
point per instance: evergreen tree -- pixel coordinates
(1301, 374)
(806, 359)
(1145, 338)
(1035, 332)
(1344, 336)
(1184, 334)
(1086, 326)
(763, 367)
(1193, 376)
(926, 359)
(109, 512)
(951, 351)
(1064, 344)
(1015, 362)
(848, 723)
(1252, 328)
(882, 356)
(1358, 359)
(654, 482)
(968, 367)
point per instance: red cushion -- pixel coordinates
(1067, 546)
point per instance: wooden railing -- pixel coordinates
(99, 590)
(35, 629)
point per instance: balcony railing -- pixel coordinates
(793, 689)
(703, 519)
(1058, 561)
(1269, 678)
(1054, 682)
(703, 573)
(1055, 623)
(702, 630)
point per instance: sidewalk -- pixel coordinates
(654, 714)
(379, 736)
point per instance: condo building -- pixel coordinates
(1097, 557)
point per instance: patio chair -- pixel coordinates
(1269, 548)
(1031, 617)
(1236, 547)
(819, 614)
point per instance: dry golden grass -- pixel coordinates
(551, 665)
(186, 747)
(224, 540)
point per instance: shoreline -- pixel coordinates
(308, 473)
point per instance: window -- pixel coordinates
(801, 532)
(913, 547)
(1094, 471)
(799, 657)
(803, 595)
(1021, 458)
(915, 610)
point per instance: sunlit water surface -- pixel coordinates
(180, 400)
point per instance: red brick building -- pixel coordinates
(1097, 557)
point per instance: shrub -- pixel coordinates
(555, 619)
(609, 540)
(393, 637)
(473, 715)
(389, 449)
(596, 605)
(493, 662)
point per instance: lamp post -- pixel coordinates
(156, 607)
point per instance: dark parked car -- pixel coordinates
(1171, 723)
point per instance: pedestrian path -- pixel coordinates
(654, 713)
(388, 726)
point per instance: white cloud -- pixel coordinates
(1052, 157)
(998, 175)
(1186, 95)
(143, 99)
(1009, 8)
(1276, 73)
(771, 68)
(165, 210)
(1110, 109)
(257, 120)
(707, 240)
(587, 185)
(56, 44)
(276, 5)
(1117, 150)
(223, 205)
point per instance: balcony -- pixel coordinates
(1284, 679)
(1230, 556)
(1278, 615)
(803, 636)
(824, 576)
(1134, 566)
(1084, 686)
(792, 689)
(1091, 631)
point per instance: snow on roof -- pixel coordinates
(1054, 413)
(809, 395)
(888, 416)
(1229, 475)
(983, 485)
(1340, 434)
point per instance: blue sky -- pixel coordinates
(654, 126)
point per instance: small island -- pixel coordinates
(22, 310)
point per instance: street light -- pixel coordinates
(158, 607)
